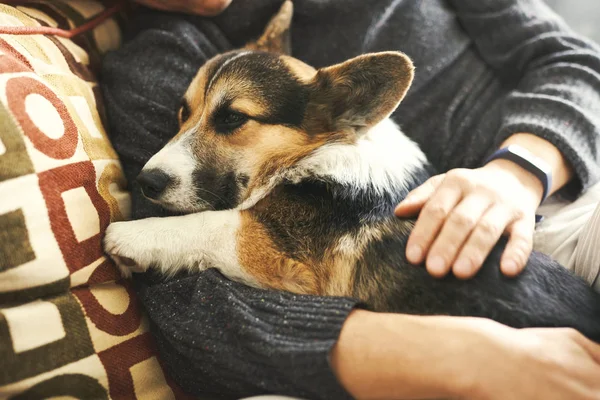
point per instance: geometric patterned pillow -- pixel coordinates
(68, 326)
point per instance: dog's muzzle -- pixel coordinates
(153, 183)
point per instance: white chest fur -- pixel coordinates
(383, 159)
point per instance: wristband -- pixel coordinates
(528, 162)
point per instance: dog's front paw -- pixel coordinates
(127, 245)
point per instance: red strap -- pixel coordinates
(66, 33)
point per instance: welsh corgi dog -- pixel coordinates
(287, 177)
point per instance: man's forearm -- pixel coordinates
(394, 356)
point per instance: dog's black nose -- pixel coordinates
(153, 183)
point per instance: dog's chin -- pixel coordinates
(186, 210)
(179, 207)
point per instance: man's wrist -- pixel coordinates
(528, 180)
(561, 170)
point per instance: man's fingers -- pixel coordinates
(210, 8)
(416, 199)
(201, 7)
(430, 221)
(460, 238)
(481, 241)
(519, 247)
(457, 228)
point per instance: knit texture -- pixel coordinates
(224, 339)
(485, 69)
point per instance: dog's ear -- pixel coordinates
(360, 92)
(276, 37)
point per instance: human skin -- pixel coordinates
(199, 7)
(396, 356)
(464, 212)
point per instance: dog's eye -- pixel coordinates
(226, 121)
(184, 112)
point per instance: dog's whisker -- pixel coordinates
(211, 193)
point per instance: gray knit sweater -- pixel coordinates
(485, 69)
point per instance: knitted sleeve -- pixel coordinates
(217, 338)
(222, 339)
(557, 72)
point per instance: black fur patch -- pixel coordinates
(220, 190)
(544, 295)
(276, 86)
(243, 180)
(306, 219)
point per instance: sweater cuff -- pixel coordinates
(224, 338)
(565, 129)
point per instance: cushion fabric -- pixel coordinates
(68, 325)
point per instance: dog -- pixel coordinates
(287, 178)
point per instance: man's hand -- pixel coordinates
(200, 7)
(549, 364)
(463, 214)
(416, 357)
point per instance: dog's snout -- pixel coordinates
(153, 183)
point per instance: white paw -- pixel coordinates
(128, 244)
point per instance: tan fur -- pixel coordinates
(276, 36)
(265, 149)
(367, 288)
(342, 258)
(304, 72)
(340, 276)
(248, 106)
(332, 276)
(272, 269)
(261, 150)
(194, 96)
(382, 78)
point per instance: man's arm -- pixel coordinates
(553, 112)
(394, 356)
(556, 75)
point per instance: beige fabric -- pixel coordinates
(570, 233)
(587, 249)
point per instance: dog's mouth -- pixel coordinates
(183, 207)
(179, 210)
(171, 193)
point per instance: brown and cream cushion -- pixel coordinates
(68, 325)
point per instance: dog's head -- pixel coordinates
(252, 113)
